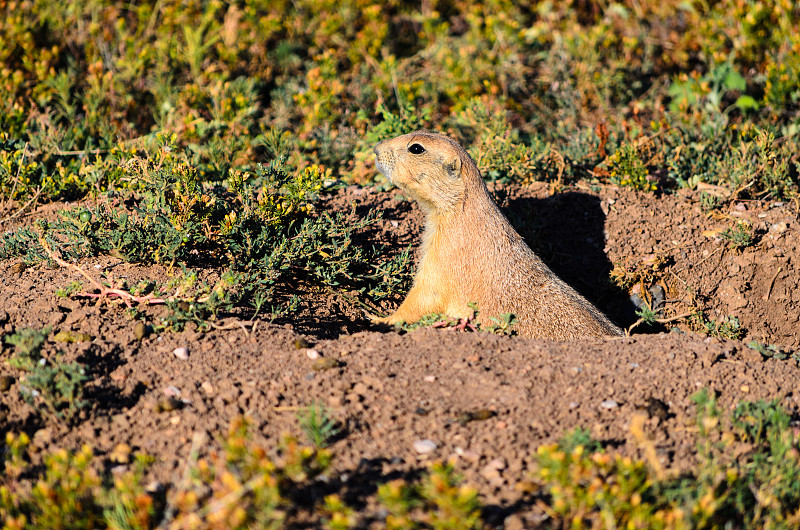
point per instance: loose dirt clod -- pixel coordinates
(17, 268)
(474, 415)
(325, 363)
(169, 404)
(6, 381)
(71, 336)
(141, 330)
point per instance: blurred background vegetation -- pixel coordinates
(644, 93)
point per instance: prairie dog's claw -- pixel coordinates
(375, 318)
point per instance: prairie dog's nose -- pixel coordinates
(377, 147)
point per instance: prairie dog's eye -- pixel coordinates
(416, 149)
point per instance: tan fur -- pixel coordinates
(471, 253)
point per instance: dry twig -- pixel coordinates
(659, 321)
(109, 293)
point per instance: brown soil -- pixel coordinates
(392, 389)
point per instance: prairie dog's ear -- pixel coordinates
(453, 166)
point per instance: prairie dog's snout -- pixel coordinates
(384, 159)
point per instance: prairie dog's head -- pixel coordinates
(427, 166)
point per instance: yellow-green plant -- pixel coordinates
(243, 487)
(438, 501)
(71, 493)
(589, 488)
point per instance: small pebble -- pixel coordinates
(474, 415)
(429, 378)
(181, 353)
(18, 268)
(42, 437)
(779, 227)
(169, 404)
(424, 447)
(497, 463)
(208, 388)
(609, 404)
(312, 354)
(141, 330)
(172, 392)
(5, 382)
(155, 487)
(324, 363)
(471, 456)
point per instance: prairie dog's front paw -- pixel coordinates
(375, 319)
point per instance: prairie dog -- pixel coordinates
(471, 253)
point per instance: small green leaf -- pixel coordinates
(746, 103)
(735, 81)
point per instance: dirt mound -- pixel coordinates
(485, 401)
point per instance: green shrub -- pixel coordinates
(86, 87)
(627, 168)
(437, 501)
(504, 324)
(739, 236)
(242, 487)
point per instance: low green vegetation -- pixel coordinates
(727, 327)
(239, 487)
(771, 351)
(49, 384)
(317, 425)
(504, 324)
(437, 501)
(739, 236)
(257, 227)
(70, 493)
